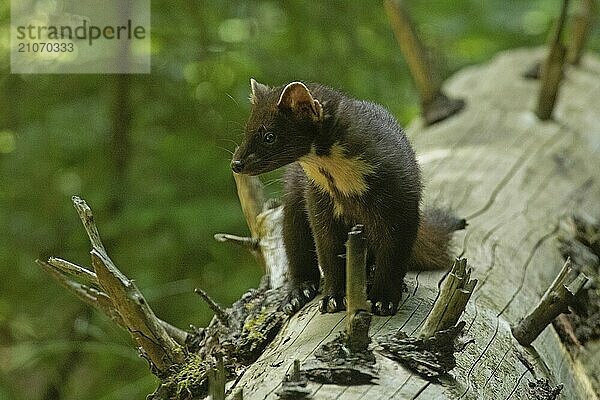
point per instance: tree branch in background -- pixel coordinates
(435, 105)
(582, 25)
(552, 68)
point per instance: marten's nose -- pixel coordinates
(237, 166)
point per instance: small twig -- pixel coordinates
(436, 106)
(244, 241)
(178, 335)
(413, 49)
(455, 292)
(555, 301)
(219, 311)
(552, 69)
(582, 25)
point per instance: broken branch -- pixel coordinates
(555, 301)
(219, 312)
(454, 294)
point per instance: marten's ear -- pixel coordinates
(258, 90)
(297, 97)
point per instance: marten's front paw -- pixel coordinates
(298, 296)
(331, 303)
(383, 307)
(383, 303)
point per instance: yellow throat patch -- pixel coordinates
(336, 173)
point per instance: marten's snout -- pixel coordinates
(237, 166)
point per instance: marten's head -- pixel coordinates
(281, 128)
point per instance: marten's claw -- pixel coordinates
(332, 303)
(298, 297)
(383, 307)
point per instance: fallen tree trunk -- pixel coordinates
(513, 177)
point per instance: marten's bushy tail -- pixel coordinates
(430, 251)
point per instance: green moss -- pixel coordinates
(188, 382)
(252, 326)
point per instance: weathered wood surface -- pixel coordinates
(512, 177)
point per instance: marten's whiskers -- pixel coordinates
(224, 148)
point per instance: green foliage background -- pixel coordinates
(163, 188)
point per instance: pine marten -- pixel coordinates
(349, 162)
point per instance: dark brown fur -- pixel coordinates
(349, 163)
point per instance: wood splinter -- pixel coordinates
(358, 317)
(454, 294)
(62, 271)
(555, 301)
(436, 106)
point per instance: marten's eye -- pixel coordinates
(269, 138)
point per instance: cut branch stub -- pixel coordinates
(555, 301)
(436, 106)
(358, 319)
(356, 279)
(454, 294)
